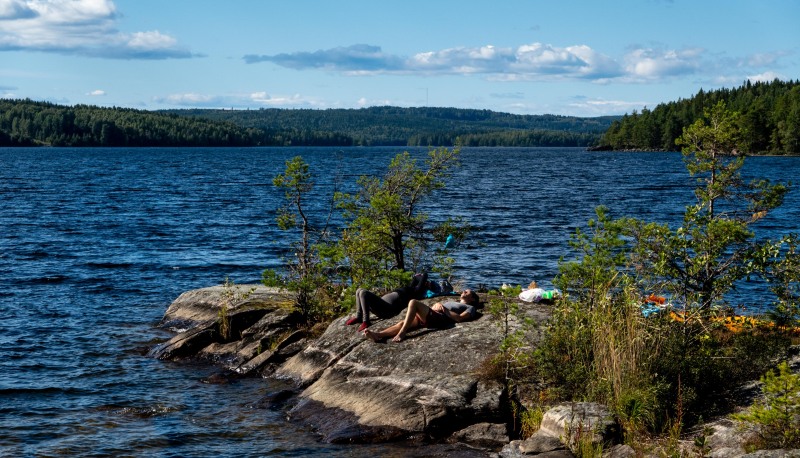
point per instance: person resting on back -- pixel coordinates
(388, 305)
(437, 316)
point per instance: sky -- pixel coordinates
(564, 57)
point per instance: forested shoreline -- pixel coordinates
(769, 116)
(31, 123)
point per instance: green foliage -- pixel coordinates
(306, 270)
(777, 416)
(387, 234)
(231, 296)
(662, 373)
(514, 357)
(780, 264)
(714, 248)
(770, 120)
(28, 123)
(530, 421)
(420, 126)
(602, 255)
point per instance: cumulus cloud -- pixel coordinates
(96, 93)
(528, 62)
(81, 27)
(524, 62)
(535, 61)
(647, 63)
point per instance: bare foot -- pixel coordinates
(398, 338)
(372, 336)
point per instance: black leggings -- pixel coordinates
(384, 307)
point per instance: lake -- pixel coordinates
(96, 243)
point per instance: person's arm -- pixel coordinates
(460, 317)
(466, 315)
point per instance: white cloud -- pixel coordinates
(191, 99)
(648, 63)
(528, 62)
(601, 107)
(251, 100)
(364, 102)
(96, 93)
(262, 98)
(535, 61)
(762, 59)
(151, 40)
(82, 27)
(765, 77)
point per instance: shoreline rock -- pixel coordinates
(350, 389)
(426, 389)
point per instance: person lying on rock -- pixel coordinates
(437, 316)
(389, 304)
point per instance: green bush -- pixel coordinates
(777, 416)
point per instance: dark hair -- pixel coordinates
(474, 298)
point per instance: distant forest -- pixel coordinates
(423, 126)
(30, 123)
(770, 119)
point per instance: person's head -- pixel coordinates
(470, 297)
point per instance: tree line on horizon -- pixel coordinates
(31, 123)
(769, 117)
(418, 126)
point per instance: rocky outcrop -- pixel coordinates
(356, 388)
(261, 329)
(199, 306)
(353, 389)
(574, 421)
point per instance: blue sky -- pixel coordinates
(581, 58)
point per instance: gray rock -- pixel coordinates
(781, 453)
(487, 435)
(353, 389)
(573, 420)
(423, 384)
(256, 325)
(620, 451)
(540, 442)
(198, 306)
(187, 343)
(204, 341)
(511, 450)
(727, 438)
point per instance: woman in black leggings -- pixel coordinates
(388, 305)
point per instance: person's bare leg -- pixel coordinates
(391, 331)
(415, 315)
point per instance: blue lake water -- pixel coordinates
(95, 244)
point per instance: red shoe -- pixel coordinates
(363, 326)
(352, 320)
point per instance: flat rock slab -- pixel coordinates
(428, 383)
(201, 305)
